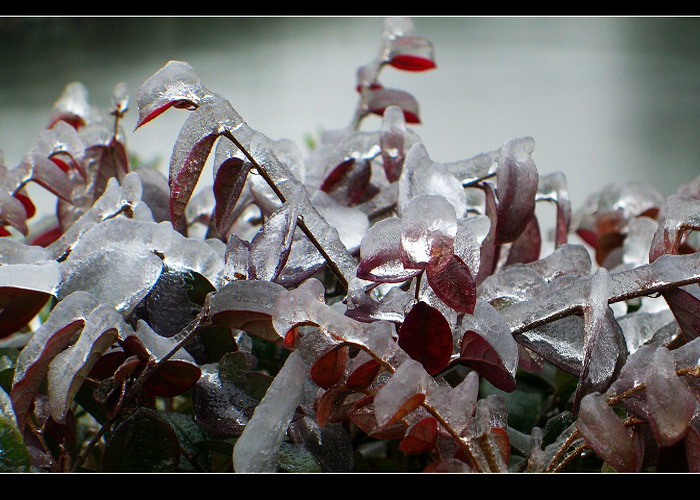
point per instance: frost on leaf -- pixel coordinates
(517, 181)
(425, 335)
(256, 450)
(606, 434)
(175, 84)
(54, 335)
(488, 347)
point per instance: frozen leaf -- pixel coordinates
(352, 224)
(410, 53)
(397, 26)
(488, 245)
(270, 248)
(637, 244)
(420, 438)
(229, 179)
(393, 142)
(604, 349)
(347, 182)
(236, 265)
(606, 434)
(257, 448)
(692, 445)
(553, 187)
(380, 253)
(156, 193)
(68, 369)
(329, 369)
(362, 376)
(120, 99)
(158, 346)
(173, 378)
(72, 106)
(517, 181)
(423, 176)
(428, 229)
(488, 347)
(680, 215)
(248, 306)
(559, 342)
(12, 212)
(644, 328)
(527, 247)
(425, 335)
(175, 84)
(54, 335)
(454, 285)
(566, 260)
(511, 284)
(685, 305)
(304, 261)
(471, 232)
(404, 392)
(378, 100)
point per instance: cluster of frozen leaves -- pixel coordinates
(360, 288)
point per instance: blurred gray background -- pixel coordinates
(605, 98)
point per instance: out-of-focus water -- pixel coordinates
(605, 98)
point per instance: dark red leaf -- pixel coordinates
(173, 378)
(488, 246)
(454, 285)
(502, 441)
(426, 336)
(328, 370)
(478, 354)
(364, 374)
(47, 237)
(362, 415)
(420, 438)
(329, 406)
(411, 53)
(107, 365)
(380, 99)
(685, 307)
(412, 63)
(18, 307)
(228, 183)
(28, 205)
(527, 247)
(4, 232)
(407, 407)
(348, 181)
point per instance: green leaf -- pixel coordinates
(555, 426)
(13, 452)
(525, 404)
(144, 442)
(189, 435)
(296, 458)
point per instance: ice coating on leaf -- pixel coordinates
(229, 179)
(62, 139)
(553, 187)
(175, 84)
(115, 261)
(393, 306)
(559, 342)
(158, 345)
(411, 53)
(120, 99)
(517, 181)
(511, 284)
(462, 401)
(380, 253)
(12, 212)
(347, 183)
(236, 259)
(27, 267)
(422, 176)
(192, 148)
(66, 318)
(298, 305)
(426, 336)
(528, 246)
(642, 328)
(568, 259)
(248, 305)
(488, 346)
(428, 229)
(637, 244)
(680, 215)
(256, 450)
(68, 370)
(72, 106)
(393, 142)
(409, 379)
(352, 224)
(397, 26)
(381, 98)
(304, 261)
(270, 248)
(606, 434)
(115, 200)
(488, 256)
(189, 254)
(670, 402)
(454, 284)
(603, 345)
(471, 232)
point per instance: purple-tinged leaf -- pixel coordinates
(420, 438)
(559, 342)
(604, 348)
(454, 285)
(68, 369)
(606, 434)
(517, 181)
(348, 181)
(488, 246)
(471, 233)
(12, 212)
(270, 248)
(425, 336)
(175, 84)
(393, 142)
(380, 253)
(173, 378)
(553, 187)
(378, 100)
(428, 230)
(488, 347)
(685, 306)
(692, 445)
(72, 106)
(527, 247)
(229, 179)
